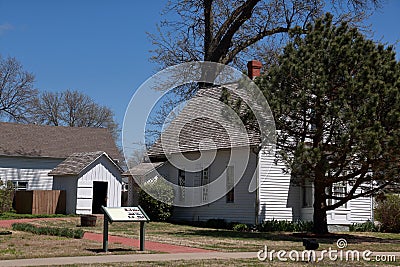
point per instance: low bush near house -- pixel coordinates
(160, 207)
(284, 226)
(363, 227)
(302, 226)
(240, 227)
(56, 231)
(387, 212)
(6, 196)
(265, 226)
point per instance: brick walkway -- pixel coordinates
(149, 245)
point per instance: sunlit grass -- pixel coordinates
(227, 240)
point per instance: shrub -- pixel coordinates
(363, 227)
(56, 231)
(156, 199)
(387, 212)
(284, 226)
(6, 196)
(240, 227)
(302, 226)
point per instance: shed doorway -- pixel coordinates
(99, 196)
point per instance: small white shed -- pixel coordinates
(91, 180)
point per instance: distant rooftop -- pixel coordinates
(29, 140)
(142, 169)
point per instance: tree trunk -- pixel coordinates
(319, 218)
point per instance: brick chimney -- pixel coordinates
(254, 68)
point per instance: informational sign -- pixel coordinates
(125, 214)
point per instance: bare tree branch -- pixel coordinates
(72, 108)
(16, 90)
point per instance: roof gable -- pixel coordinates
(78, 162)
(29, 140)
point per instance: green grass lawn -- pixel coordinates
(230, 241)
(12, 215)
(27, 245)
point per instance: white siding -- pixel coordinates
(361, 209)
(244, 207)
(281, 200)
(79, 190)
(102, 170)
(33, 170)
(278, 198)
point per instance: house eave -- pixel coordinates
(32, 156)
(164, 157)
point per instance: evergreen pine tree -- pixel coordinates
(336, 102)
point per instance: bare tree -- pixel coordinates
(232, 32)
(16, 90)
(71, 108)
(137, 156)
(20, 102)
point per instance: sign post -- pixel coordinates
(142, 226)
(105, 234)
(124, 214)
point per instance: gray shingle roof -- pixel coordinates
(30, 140)
(142, 169)
(190, 129)
(77, 162)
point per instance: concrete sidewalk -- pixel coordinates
(127, 258)
(149, 257)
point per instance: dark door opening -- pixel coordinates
(99, 196)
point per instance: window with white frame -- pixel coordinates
(205, 174)
(181, 184)
(230, 182)
(20, 185)
(338, 190)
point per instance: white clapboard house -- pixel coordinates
(276, 197)
(81, 161)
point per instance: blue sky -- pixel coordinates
(100, 46)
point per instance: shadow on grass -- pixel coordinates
(113, 250)
(281, 236)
